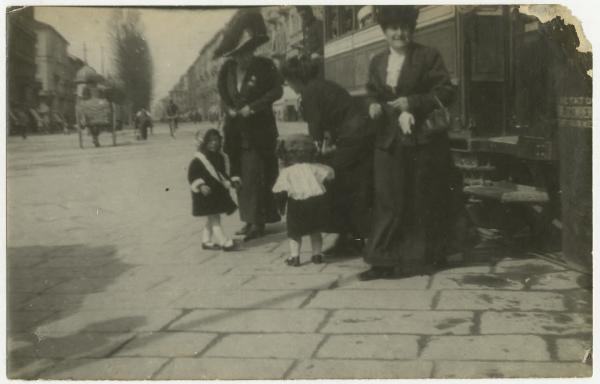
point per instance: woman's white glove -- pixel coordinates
(406, 121)
(375, 110)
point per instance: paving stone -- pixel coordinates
(579, 300)
(380, 347)
(504, 369)
(501, 300)
(224, 369)
(558, 281)
(404, 322)
(527, 266)
(262, 320)
(69, 346)
(82, 285)
(22, 260)
(475, 281)
(505, 347)
(25, 321)
(25, 285)
(107, 270)
(279, 346)
(242, 299)
(408, 283)
(345, 268)
(304, 282)
(167, 344)
(383, 299)
(187, 257)
(123, 368)
(540, 323)
(105, 300)
(106, 321)
(467, 269)
(362, 369)
(48, 302)
(124, 283)
(573, 349)
(26, 368)
(16, 300)
(80, 260)
(202, 283)
(277, 267)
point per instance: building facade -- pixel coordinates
(55, 72)
(22, 87)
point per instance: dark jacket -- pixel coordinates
(202, 171)
(328, 107)
(423, 75)
(262, 86)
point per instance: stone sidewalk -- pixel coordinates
(107, 280)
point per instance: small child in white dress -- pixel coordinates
(304, 181)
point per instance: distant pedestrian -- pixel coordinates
(304, 181)
(208, 175)
(143, 121)
(94, 113)
(172, 115)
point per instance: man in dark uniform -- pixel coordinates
(248, 86)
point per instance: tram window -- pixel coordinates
(340, 21)
(331, 22)
(347, 16)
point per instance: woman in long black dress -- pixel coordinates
(248, 86)
(412, 165)
(334, 117)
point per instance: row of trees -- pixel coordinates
(133, 68)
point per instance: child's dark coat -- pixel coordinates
(210, 169)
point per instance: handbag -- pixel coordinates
(438, 120)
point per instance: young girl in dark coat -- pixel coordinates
(303, 180)
(208, 175)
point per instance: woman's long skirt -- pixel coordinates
(259, 170)
(411, 212)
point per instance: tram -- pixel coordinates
(521, 126)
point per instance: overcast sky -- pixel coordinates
(175, 36)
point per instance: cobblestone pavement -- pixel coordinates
(107, 280)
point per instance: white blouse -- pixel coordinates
(395, 63)
(302, 181)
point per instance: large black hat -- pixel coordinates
(246, 31)
(394, 15)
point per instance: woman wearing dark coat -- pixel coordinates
(411, 164)
(248, 86)
(336, 119)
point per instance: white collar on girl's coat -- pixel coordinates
(210, 168)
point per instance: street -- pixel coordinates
(107, 280)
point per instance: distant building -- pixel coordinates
(21, 67)
(55, 73)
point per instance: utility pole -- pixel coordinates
(84, 53)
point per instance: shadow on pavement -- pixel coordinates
(33, 272)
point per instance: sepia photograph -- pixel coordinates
(279, 192)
